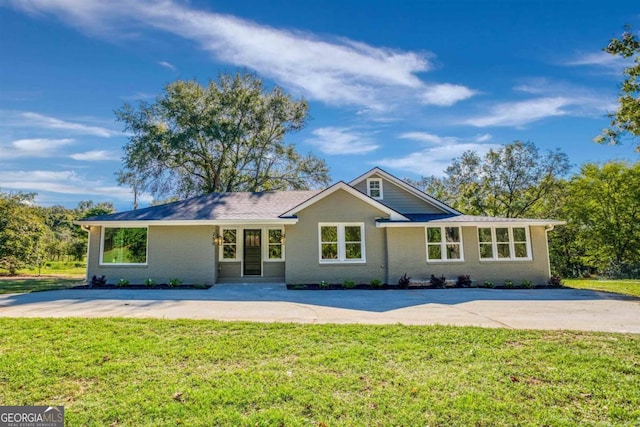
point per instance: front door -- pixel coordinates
(252, 253)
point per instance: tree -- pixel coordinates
(626, 120)
(512, 181)
(227, 136)
(21, 232)
(86, 209)
(603, 204)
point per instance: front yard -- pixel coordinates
(126, 372)
(625, 287)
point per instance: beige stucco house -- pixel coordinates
(374, 227)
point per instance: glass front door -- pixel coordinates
(252, 253)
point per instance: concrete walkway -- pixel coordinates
(521, 309)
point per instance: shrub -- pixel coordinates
(555, 282)
(149, 282)
(488, 284)
(349, 284)
(122, 282)
(174, 282)
(508, 284)
(98, 281)
(527, 284)
(376, 283)
(437, 281)
(404, 281)
(324, 284)
(463, 281)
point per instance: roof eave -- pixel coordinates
(146, 223)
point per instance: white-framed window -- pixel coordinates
(374, 188)
(504, 243)
(341, 242)
(444, 244)
(229, 249)
(123, 246)
(275, 244)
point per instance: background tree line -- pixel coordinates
(31, 234)
(600, 203)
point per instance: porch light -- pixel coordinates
(283, 238)
(217, 239)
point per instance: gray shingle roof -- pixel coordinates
(266, 205)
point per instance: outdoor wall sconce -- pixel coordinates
(217, 239)
(283, 238)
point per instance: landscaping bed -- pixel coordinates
(339, 286)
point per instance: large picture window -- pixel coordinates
(504, 243)
(123, 245)
(341, 243)
(444, 244)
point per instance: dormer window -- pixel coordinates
(374, 188)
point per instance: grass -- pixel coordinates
(10, 285)
(53, 275)
(625, 287)
(54, 268)
(130, 372)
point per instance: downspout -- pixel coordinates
(386, 256)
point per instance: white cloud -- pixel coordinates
(446, 94)
(441, 140)
(600, 59)
(34, 147)
(433, 160)
(33, 120)
(61, 182)
(521, 112)
(96, 155)
(331, 70)
(338, 141)
(167, 65)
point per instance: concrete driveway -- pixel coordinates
(520, 309)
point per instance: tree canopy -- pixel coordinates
(603, 206)
(511, 181)
(226, 136)
(22, 231)
(626, 120)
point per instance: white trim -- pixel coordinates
(342, 259)
(494, 244)
(101, 262)
(443, 244)
(393, 215)
(479, 224)
(221, 222)
(411, 189)
(379, 181)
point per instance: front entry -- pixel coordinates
(252, 253)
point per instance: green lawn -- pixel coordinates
(131, 372)
(626, 287)
(10, 285)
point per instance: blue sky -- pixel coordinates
(404, 85)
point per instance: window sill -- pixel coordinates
(328, 262)
(505, 259)
(122, 265)
(444, 261)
